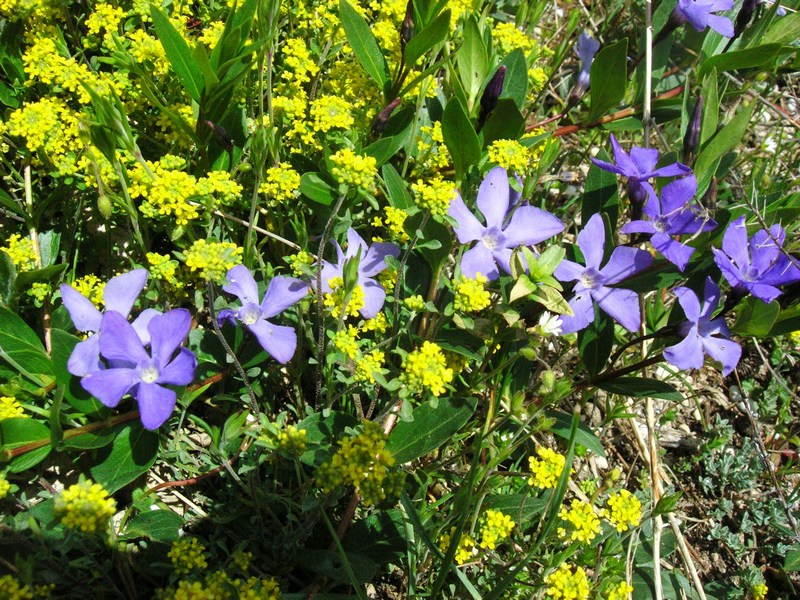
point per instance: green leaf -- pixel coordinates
(601, 192)
(666, 504)
(523, 288)
(710, 106)
(381, 536)
(595, 343)
(641, 387)
(515, 84)
(608, 77)
(20, 431)
(522, 508)
(755, 317)
(433, 230)
(364, 45)
(725, 140)
(552, 299)
(313, 187)
(45, 275)
(22, 349)
(158, 525)
(322, 431)
(434, 423)
(13, 207)
(792, 561)
(504, 123)
(132, 454)
(396, 188)
(90, 440)
(8, 278)
(385, 148)
(62, 346)
(787, 322)
(472, 60)
(740, 59)
(460, 137)
(433, 34)
(784, 30)
(583, 436)
(661, 275)
(178, 54)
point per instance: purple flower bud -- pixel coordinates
(221, 135)
(382, 120)
(491, 94)
(744, 16)
(407, 30)
(692, 138)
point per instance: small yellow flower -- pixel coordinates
(426, 369)
(624, 510)
(546, 469)
(585, 523)
(621, 591)
(9, 408)
(187, 555)
(415, 303)
(471, 294)
(345, 341)
(212, 260)
(354, 169)
(510, 154)
(564, 584)
(20, 251)
(292, 440)
(434, 195)
(91, 287)
(331, 112)
(5, 486)
(282, 184)
(368, 364)
(467, 549)
(85, 506)
(338, 301)
(760, 591)
(496, 527)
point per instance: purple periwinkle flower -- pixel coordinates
(119, 295)
(593, 280)
(699, 14)
(278, 340)
(638, 167)
(132, 369)
(586, 48)
(757, 266)
(497, 239)
(674, 215)
(702, 334)
(372, 260)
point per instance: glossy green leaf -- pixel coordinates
(45, 275)
(396, 188)
(788, 321)
(178, 53)
(460, 137)
(364, 44)
(132, 454)
(8, 278)
(385, 148)
(608, 77)
(783, 30)
(755, 317)
(601, 192)
(595, 343)
(725, 140)
(515, 84)
(432, 35)
(710, 107)
(21, 431)
(90, 440)
(522, 508)
(159, 525)
(22, 349)
(504, 123)
(434, 423)
(322, 432)
(472, 60)
(740, 59)
(583, 435)
(313, 187)
(641, 387)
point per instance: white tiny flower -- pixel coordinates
(549, 324)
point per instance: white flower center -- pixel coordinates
(149, 374)
(591, 278)
(491, 239)
(661, 225)
(250, 313)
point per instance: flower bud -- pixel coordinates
(407, 29)
(709, 200)
(221, 135)
(104, 206)
(744, 17)
(692, 138)
(491, 94)
(382, 120)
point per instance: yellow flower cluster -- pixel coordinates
(103, 18)
(5, 486)
(85, 506)
(146, 48)
(564, 584)
(508, 38)
(300, 262)
(211, 33)
(426, 368)
(624, 510)
(292, 440)
(12, 589)
(435, 195)
(510, 154)
(495, 528)
(10, 408)
(212, 260)
(363, 462)
(39, 292)
(20, 251)
(368, 364)
(378, 324)
(345, 342)
(431, 152)
(48, 125)
(282, 183)
(218, 584)
(585, 523)
(91, 287)
(187, 555)
(393, 220)
(354, 169)
(546, 469)
(466, 550)
(219, 186)
(471, 294)
(537, 78)
(415, 303)
(331, 112)
(760, 591)
(16, 10)
(621, 591)
(300, 66)
(164, 268)
(337, 301)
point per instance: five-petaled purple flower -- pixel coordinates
(638, 167)
(759, 266)
(133, 370)
(586, 48)
(674, 215)
(699, 14)
(702, 333)
(372, 260)
(278, 340)
(119, 295)
(497, 239)
(621, 304)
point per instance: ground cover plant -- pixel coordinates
(416, 298)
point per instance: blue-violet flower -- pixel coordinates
(699, 14)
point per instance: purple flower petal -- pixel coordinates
(621, 158)
(530, 225)
(354, 243)
(734, 243)
(625, 262)
(479, 260)
(645, 160)
(689, 303)
(156, 404)
(241, 284)
(568, 271)
(374, 297)
(279, 341)
(723, 351)
(723, 26)
(586, 47)
(493, 197)
(674, 170)
(281, 293)
(678, 194)
(502, 256)
(141, 322)
(695, 12)
(120, 292)
(675, 252)
(688, 354)
(375, 260)
(109, 385)
(83, 313)
(180, 371)
(583, 314)
(711, 295)
(468, 228)
(607, 166)
(167, 332)
(329, 272)
(764, 292)
(763, 250)
(638, 227)
(592, 241)
(119, 340)
(85, 357)
(622, 305)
